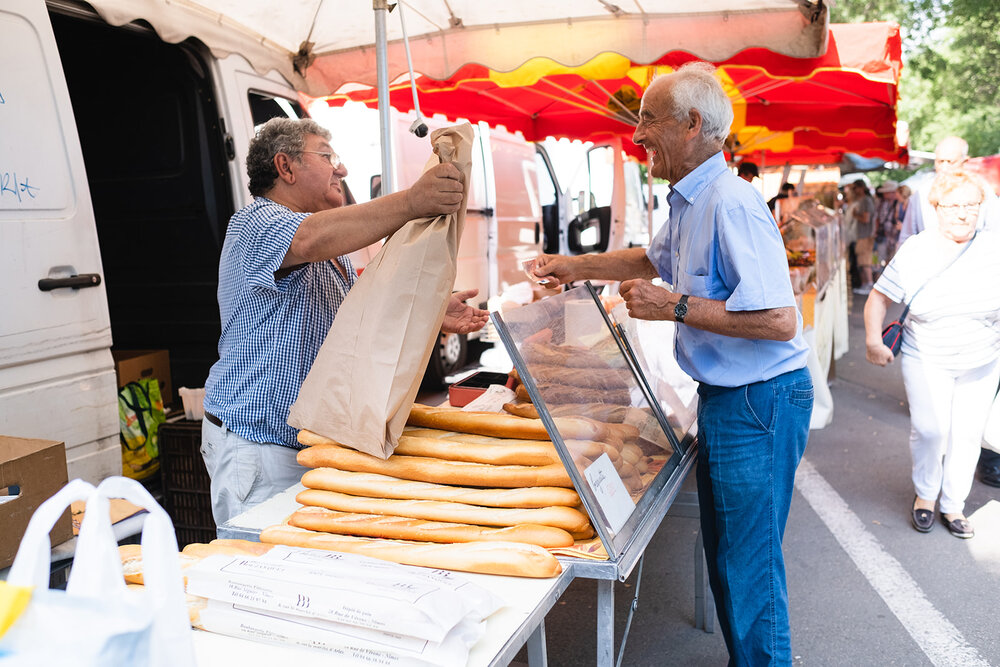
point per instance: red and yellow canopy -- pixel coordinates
(809, 110)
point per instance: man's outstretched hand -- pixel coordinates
(462, 318)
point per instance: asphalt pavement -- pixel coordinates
(864, 587)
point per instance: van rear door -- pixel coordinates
(57, 377)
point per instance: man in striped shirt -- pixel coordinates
(283, 274)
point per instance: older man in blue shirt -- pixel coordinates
(740, 339)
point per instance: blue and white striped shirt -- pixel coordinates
(272, 329)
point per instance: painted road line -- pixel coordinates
(941, 641)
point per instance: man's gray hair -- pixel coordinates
(278, 135)
(695, 87)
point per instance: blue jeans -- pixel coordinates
(751, 439)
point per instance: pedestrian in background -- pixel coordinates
(887, 221)
(748, 171)
(950, 278)
(863, 214)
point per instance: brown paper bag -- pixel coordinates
(360, 388)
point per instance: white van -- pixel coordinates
(121, 161)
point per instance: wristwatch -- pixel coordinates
(681, 309)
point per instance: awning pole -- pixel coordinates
(381, 8)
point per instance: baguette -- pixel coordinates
(567, 356)
(556, 394)
(382, 486)
(514, 452)
(503, 426)
(462, 447)
(567, 518)
(603, 412)
(590, 378)
(131, 556)
(464, 437)
(419, 530)
(505, 558)
(423, 469)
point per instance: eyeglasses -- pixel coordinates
(958, 208)
(331, 156)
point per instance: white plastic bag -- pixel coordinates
(97, 621)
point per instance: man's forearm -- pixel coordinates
(619, 265)
(340, 231)
(711, 315)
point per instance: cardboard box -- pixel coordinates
(133, 365)
(36, 470)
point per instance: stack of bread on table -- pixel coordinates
(472, 491)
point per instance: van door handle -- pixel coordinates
(75, 282)
(538, 233)
(488, 211)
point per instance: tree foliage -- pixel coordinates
(951, 64)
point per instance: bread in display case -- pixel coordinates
(573, 361)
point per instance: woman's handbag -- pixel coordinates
(892, 335)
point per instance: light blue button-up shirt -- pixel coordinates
(720, 242)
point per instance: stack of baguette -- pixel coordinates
(459, 485)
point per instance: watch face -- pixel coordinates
(680, 310)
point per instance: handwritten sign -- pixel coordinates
(38, 144)
(13, 186)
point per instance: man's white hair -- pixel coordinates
(695, 87)
(956, 142)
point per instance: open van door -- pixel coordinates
(56, 371)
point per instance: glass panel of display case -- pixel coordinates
(595, 402)
(674, 390)
(810, 236)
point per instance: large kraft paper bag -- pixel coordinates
(361, 387)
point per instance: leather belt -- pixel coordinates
(212, 419)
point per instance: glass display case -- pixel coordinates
(580, 365)
(812, 242)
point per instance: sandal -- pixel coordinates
(959, 527)
(923, 520)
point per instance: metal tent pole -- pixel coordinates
(381, 8)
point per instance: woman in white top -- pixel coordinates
(951, 345)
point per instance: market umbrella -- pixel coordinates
(842, 100)
(320, 45)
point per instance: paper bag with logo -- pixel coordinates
(360, 388)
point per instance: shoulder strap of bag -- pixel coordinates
(948, 266)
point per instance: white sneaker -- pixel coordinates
(864, 289)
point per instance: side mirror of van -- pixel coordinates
(590, 231)
(656, 202)
(375, 186)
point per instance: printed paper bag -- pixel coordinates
(360, 388)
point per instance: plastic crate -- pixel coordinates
(186, 485)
